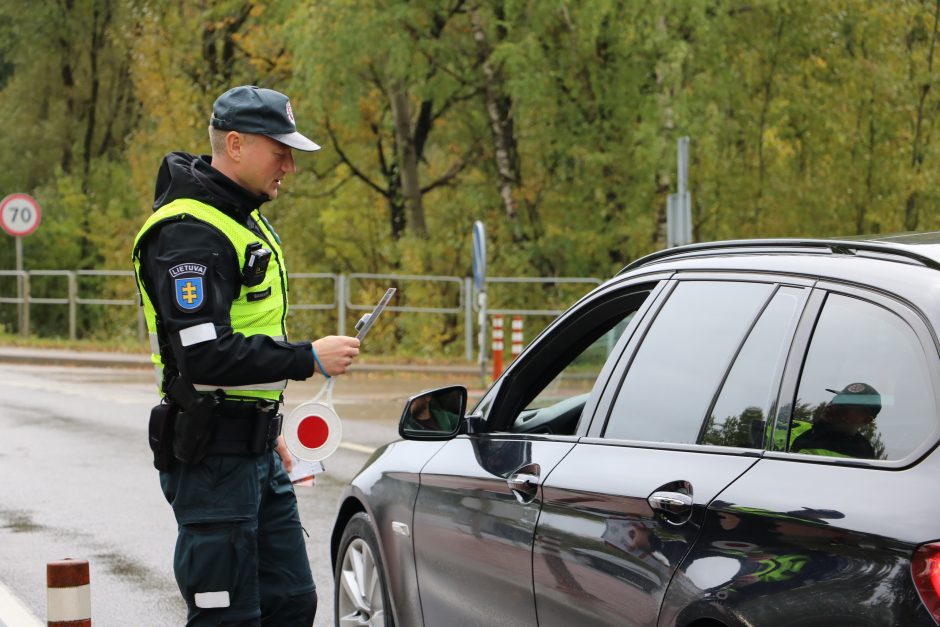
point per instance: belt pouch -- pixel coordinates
(194, 428)
(259, 433)
(162, 417)
(265, 414)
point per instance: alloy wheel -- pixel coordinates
(360, 599)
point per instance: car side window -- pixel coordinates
(546, 390)
(739, 417)
(577, 378)
(677, 369)
(865, 390)
(557, 407)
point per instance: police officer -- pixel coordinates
(213, 284)
(837, 432)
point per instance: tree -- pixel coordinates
(384, 83)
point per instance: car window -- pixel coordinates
(577, 378)
(739, 417)
(546, 390)
(557, 407)
(865, 391)
(669, 387)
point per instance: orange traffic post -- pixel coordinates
(69, 594)
(497, 345)
(516, 336)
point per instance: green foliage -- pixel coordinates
(554, 122)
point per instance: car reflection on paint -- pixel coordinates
(644, 461)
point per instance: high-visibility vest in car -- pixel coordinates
(785, 433)
(249, 316)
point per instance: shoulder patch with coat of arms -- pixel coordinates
(189, 286)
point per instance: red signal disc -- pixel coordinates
(313, 432)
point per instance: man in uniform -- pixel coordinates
(837, 432)
(213, 284)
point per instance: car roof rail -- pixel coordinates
(839, 247)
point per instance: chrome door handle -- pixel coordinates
(676, 506)
(524, 483)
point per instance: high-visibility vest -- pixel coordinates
(257, 316)
(795, 429)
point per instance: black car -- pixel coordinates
(734, 433)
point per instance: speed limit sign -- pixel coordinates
(19, 214)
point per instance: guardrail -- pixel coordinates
(342, 288)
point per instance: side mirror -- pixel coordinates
(434, 415)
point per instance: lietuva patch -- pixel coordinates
(189, 281)
(187, 268)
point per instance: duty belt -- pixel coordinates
(245, 428)
(235, 427)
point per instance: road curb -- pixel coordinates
(58, 357)
(102, 359)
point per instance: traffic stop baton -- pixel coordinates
(313, 430)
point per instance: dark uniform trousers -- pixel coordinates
(240, 554)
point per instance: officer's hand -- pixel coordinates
(336, 353)
(286, 458)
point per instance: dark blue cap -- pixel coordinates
(860, 394)
(250, 109)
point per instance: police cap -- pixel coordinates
(250, 109)
(859, 394)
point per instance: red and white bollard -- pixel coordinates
(69, 594)
(497, 346)
(516, 336)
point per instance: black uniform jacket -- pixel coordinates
(229, 359)
(823, 436)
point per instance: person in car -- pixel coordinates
(837, 432)
(427, 414)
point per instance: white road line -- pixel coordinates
(359, 448)
(14, 613)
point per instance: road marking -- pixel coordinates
(359, 448)
(14, 613)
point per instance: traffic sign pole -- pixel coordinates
(21, 304)
(20, 216)
(479, 281)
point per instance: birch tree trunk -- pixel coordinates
(497, 119)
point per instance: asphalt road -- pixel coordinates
(77, 483)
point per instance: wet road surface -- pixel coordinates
(77, 482)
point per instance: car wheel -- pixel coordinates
(360, 596)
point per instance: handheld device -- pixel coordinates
(312, 431)
(367, 320)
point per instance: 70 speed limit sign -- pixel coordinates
(19, 214)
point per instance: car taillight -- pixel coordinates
(925, 567)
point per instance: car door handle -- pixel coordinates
(674, 504)
(524, 483)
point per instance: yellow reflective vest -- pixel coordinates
(264, 316)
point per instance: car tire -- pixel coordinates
(360, 594)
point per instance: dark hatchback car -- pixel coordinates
(733, 433)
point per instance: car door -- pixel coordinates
(821, 531)
(480, 496)
(621, 510)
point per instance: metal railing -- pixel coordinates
(342, 289)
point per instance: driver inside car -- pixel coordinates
(428, 414)
(837, 433)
